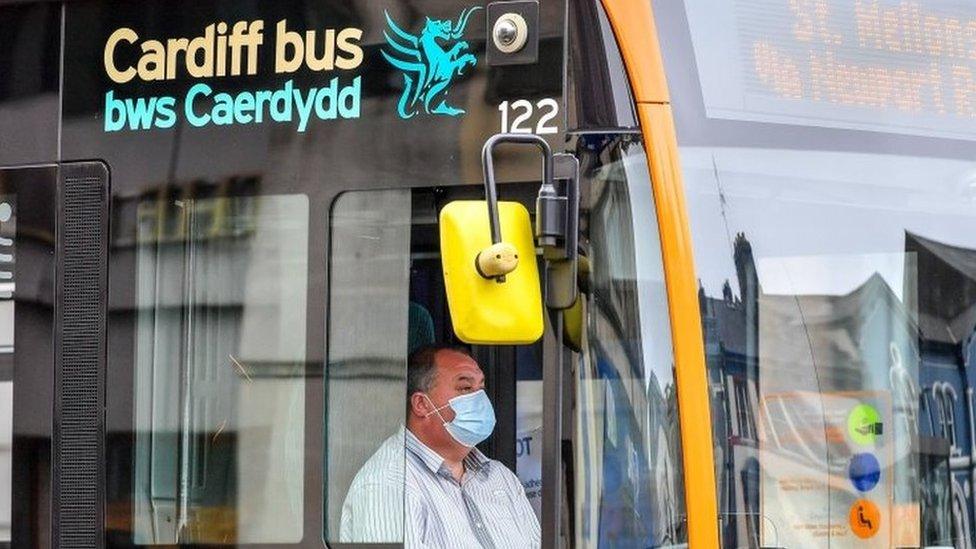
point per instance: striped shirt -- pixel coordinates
(411, 497)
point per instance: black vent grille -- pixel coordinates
(80, 343)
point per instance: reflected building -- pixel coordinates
(947, 326)
(730, 331)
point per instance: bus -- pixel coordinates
(729, 298)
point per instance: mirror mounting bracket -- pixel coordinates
(562, 262)
(556, 220)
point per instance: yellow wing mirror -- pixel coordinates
(492, 299)
(488, 253)
(492, 283)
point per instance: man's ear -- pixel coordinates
(419, 405)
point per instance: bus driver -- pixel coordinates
(444, 491)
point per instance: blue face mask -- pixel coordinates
(474, 417)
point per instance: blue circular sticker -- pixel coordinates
(865, 471)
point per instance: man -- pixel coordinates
(440, 491)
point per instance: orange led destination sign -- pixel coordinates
(902, 66)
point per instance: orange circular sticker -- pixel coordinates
(865, 518)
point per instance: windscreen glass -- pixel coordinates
(830, 175)
(628, 477)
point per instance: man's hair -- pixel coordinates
(421, 368)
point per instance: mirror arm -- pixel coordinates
(494, 262)
(487, 163)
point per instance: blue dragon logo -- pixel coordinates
(428, 68)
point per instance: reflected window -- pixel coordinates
(945, 396)
(743, 410)
(219, 370)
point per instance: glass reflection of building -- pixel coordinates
(947, 326)
(919, 348)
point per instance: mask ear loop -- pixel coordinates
(436, 410)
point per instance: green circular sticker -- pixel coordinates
(864, 424)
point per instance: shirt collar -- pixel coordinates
(474, 461)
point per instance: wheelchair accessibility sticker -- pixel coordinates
(865, 518)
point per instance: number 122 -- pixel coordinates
(523, 110)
